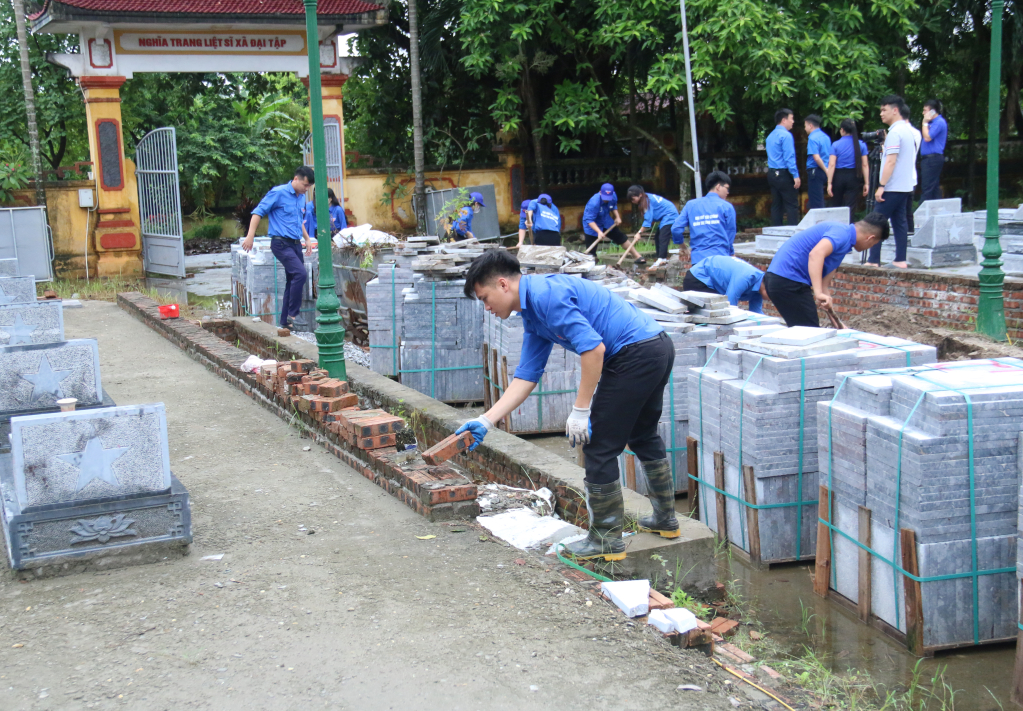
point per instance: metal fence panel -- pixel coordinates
(484, 224)
(25, 236)
(156, 162)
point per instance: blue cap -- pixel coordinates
(477, 197)
(544, 195)
(607, 192)
(525, 204)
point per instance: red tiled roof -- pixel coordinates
(239, 8)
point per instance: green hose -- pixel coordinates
(570, 564)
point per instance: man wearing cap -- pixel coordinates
(601, 220)
(730, 276)
(545, 221)
(626, 361)
(462, 227)
(523, 222)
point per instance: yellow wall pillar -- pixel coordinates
(116, 235)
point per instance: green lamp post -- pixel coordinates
(991, 309)
(330, 334)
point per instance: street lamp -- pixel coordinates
(991, 307)
(330, 334)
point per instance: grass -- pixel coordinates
(106, 289)
(644, 245)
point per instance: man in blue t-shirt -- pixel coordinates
(782, 171)
(801, 272)
(523, 222)
(818, 150)
(626, 361)
(601, 220)
(932, 150)
(710, 219)
(730, 276)
(461, 228)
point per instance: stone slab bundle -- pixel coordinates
(90, 483)
(903, 453)
(258, 281)
(760, 411)
(385, 299)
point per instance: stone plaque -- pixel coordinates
(38, 322)
(9, 267)
(944, 229)
(67, 457)
(108, 133)
(34, 377)
(17, 290)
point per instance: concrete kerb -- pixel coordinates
(502, 458)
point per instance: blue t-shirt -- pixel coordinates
(734, 278)
(939, 134)
(818, 143)
(522, 213)
(661, 210)
(337, 219)
(792, 260)
(576, 314)
(781, 150)
(711, 223)
(599, 211)
(463, 225)
(284, 210)
(845, 153)
(545, 217)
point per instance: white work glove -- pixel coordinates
(577, 428)
(479, 428)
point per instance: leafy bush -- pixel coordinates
(14, 175)
(209, 229)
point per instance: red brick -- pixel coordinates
(723, 626)
(659, 601)
(448, 447)
(302, 366)
(387, 440)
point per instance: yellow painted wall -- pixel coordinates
(68, 224)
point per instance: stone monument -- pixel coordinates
(17, 290)
(9, 267)
(38, 322)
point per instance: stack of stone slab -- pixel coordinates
(943, 237)
(385, 299)
(772, 238)
(91, 485)
(1010, 229)
(935, 452)
(756, 405)
(258, 281)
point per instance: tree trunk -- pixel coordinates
(971, 148)
(30, 100)
(534, 124)
(1011, 100)
(419, 198)
(633, 138)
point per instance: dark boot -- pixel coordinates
(607, 518)
(661, 492)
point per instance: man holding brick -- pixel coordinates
(619, 346)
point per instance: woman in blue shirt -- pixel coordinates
(545, 219)
(336, 212)
(656, 209)
(848, 174)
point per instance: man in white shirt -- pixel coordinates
(898, 176)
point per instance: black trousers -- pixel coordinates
(289, 253)
(547, 238)
(847, 188)
(663, 241)
(930, 176)
(816, 182)
(627, 406)
(793, 299)
(691, 283)
(784, 197)
(614, 234)
(894, 208)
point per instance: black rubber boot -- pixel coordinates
(661, 492)
(607, 518)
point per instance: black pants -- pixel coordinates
(847, 187)
(547, 238)
(793, 299)
(663, 241)
(816, 182)
(894, 208)
(691, 283)
(289, 254)
(614, 234)
(627, 406)
(784, 197)
(930, 176)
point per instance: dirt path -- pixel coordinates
(358, 615)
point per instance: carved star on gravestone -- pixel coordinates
(953, 233)
(46, 380)
(4, 298)
(20, 332)
(94, 462)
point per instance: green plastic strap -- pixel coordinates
(858, 335)
(699, 464)
(799, 479)
(742, 410)
(578, 567)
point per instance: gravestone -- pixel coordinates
(944, 229)
(824, 214)
(91, 484)
(9, 267)
(34, 377)
(930, 208)
(17, 290)
(39, 322)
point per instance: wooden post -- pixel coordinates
(863, 594)
(719, 482)
(693, 469)
(749, 483)
(630, 471)
(1016, 695)
(504, 384)
(495, 376)
(488, 401)
(822, 570)
(914, 601)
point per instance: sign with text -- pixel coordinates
(266, 42)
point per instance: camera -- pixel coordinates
(872, 136)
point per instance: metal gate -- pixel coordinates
(332, 139)
(156, 170)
